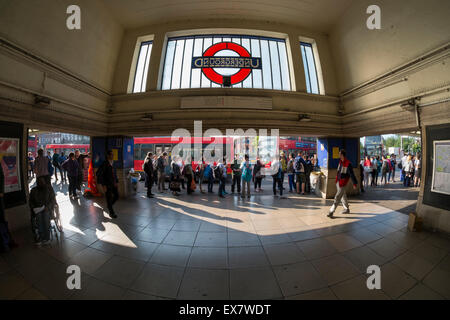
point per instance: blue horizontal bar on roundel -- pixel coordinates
(226, 62)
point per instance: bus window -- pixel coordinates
(146, 148)
(137, 151)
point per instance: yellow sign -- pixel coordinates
(335, 152)
(115, 154)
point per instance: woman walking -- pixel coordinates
(367, 171)
(384, 170)
(290, 172)
(246, 169)
(175, 179)
(72, 167)
(257, 176)
(189, 177)
(418, 171)
(409, 171)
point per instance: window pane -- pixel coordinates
(312, 70)
(275, 65)
(305, 66)
(266, 68)
(147, 62)
(196, 73)
(284, 66)
(140, 68)
(237, 85)
(168, 64)
(257, 74)
(216, 40)
(187, 60)
(312, 83)
(207, 42)
(177, 62)
(247, 83)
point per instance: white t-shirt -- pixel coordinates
(404, 159)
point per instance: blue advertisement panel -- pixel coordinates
(322, 152)
(98, 151)
(115, 144)
(128, 153)
(334, 145)
(351, 146)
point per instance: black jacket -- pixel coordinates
(148, 167)
(44, 196)
(109, 174)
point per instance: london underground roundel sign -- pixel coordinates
(211, 59)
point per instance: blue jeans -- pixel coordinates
(210, 184)
(407, 181)
(221, 186)
(291, 182)
(277, 181)
(43, 225)
(73, 185)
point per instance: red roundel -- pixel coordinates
(218, 78)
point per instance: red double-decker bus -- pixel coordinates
(33, 145)
(294, 144)
(158, 145)
(67, 148)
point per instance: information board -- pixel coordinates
(441, 167)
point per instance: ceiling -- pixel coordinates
(317, 15)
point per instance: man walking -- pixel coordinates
(236, 174)
(344, 173)
(246, 170)
(222, 175)
(148, 169)
(80, 159)
(56, 164)
(299, 167)
(394, 163)
(161, 167)
(41, 165)
(108, 178)
(71, 167)
(62, 159)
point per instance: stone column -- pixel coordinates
(123, 150)
(328, 157)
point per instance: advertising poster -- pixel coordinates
(441, 167)
(9, 160)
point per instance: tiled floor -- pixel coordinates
(199, 247)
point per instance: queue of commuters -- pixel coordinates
(297, 167)
(47, 165)
(376, 170)
(411, 170)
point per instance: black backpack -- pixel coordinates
(218, 172)
(160, 164)
(298, 165)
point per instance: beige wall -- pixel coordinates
(40, 28)
(409, 29)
